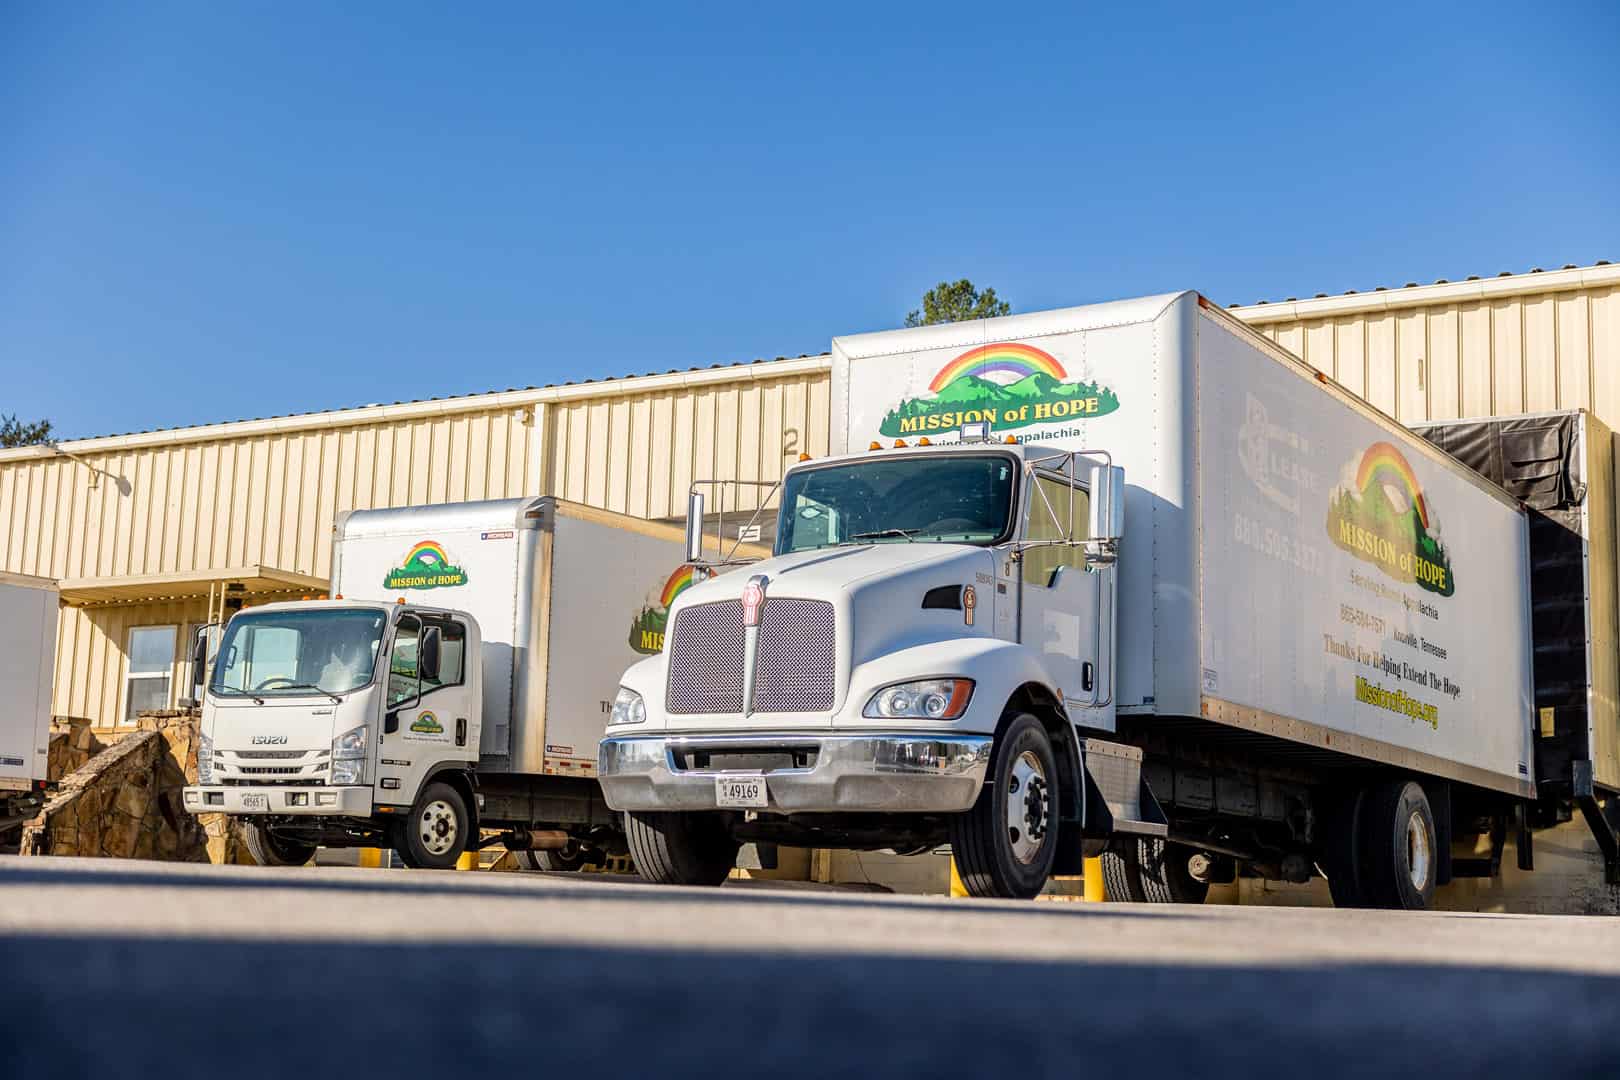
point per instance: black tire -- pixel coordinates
(680, 849)
(1166, 879)
(434, 834)
(1399, 856)
(1341, 850)
(269, 849)
(989, 841)
(1122, 879)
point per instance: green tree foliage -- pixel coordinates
(956, 301)
(14, 432)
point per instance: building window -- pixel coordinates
(151, 667)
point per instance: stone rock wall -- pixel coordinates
(72, 743)
(125, 802)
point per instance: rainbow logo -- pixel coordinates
(681, 580)
(1378, 513)
(425, 566)
(1007, 357)
(1007, 385)
(1383, 464)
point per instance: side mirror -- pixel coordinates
(694, 527)
(427, 660)
(199, 667)
(1106, 525)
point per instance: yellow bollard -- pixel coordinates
(957, 888)
(370, 856)
(1094, 881)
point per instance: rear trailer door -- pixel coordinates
(1360, 592)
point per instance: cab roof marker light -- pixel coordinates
(1011, 440)
(875, 445)
(899, 444)
(804, 457)
(924, 441)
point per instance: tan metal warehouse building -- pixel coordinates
(149, 533)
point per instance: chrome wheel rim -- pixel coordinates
(1419, 856)
(437, 827)
(1028, 804)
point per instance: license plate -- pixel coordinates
(255, 802)
(746, 791)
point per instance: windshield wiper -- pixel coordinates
(875, 533)
(311, 686)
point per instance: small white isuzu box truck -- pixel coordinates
(28, 613)
(457, 681)
(1126, 579)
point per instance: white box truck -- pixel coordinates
(28, 614)
(1125, 579)
(457, 681)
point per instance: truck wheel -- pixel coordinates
(269, 849)
(1166, 879)
(1341, 850)
(434, 834)
(680, 849)
(1005, 845)
(1398, 847)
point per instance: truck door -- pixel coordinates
(1063, 605)
(433, 712)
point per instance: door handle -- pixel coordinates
(461, 731)
(1087, 673)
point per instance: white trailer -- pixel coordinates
(27, 661)
(457, 681)
(1305, 649)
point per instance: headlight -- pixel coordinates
(349, 756)
(926, 699)
(349, 771)
(205, 760)
(351, 744)
(628, 708)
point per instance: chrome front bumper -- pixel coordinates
(910, 772)
(315, 800)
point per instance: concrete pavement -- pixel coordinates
(173, 970)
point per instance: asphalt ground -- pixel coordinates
(159, 970)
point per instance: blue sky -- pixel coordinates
(212, 211)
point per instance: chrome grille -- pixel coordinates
(796, 669)
(797, 647)
(270, 770)
(269, 755)
(706, 659)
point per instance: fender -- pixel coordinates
(998, 670)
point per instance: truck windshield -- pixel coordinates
(298, 652)
(942, 498)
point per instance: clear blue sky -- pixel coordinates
(217, 210)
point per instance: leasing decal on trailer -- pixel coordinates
(647, 628)
(425, 566)
(1008, 384)
(1379, 515)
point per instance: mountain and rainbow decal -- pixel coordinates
(647, 628)
(1379, 514)
(425, 566)
(1009, 384)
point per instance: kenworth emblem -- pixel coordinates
(753, 598)
(269, 740)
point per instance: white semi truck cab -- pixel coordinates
(933, 616)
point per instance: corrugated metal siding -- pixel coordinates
(639, 454)
(1486, 357)
(91, 661)
(267, 499)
